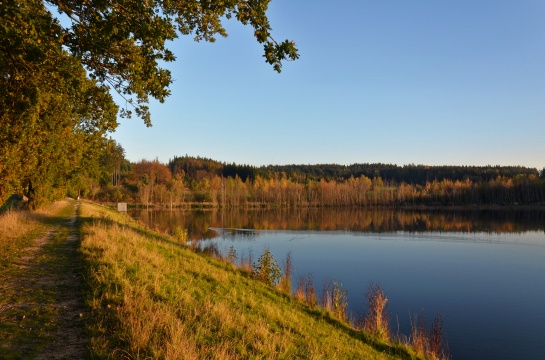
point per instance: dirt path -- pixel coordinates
(43, 308)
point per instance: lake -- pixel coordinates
(483, 271)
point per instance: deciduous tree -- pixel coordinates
(52, 114)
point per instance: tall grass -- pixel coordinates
(15, 224)
(306, 292)
(285, 281)
(376, 320)
(154, 298)
(334, 299)
(428, 343)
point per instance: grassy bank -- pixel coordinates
(148, 296)
(154, 298)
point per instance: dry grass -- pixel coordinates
(153, 298)
(376, 319)
(285, 281)
(306, 292)
(16, 224)
(428, 343)
(19, 227)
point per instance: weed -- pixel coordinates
(305, 291)
(285, 281)
(376, 320)
(418, 334)
(428, 343)
(436, 347)
(334, 299)
(180, 234)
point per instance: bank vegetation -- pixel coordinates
(153, 297)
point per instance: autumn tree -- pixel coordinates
(152, 179)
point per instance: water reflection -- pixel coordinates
(477, 268)
(203, 224)
(236, 234)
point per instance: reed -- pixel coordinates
(335, 299)
(428, 343)
(376, 320)
(285, 281)
(306, 292)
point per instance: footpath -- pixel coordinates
(42, 309)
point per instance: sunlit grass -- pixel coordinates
(15, 228)
(18, 228)
(154, 298)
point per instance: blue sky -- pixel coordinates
(424, 82)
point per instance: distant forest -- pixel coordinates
(196, 181)
(410, 174)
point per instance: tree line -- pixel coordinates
(190, 181)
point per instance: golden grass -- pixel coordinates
(153, 298)
(19, 227)
(15, 224)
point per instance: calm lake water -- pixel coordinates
(484, 271)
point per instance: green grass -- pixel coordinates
(148, 296)
(154, 298)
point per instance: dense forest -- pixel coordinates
(196, 181)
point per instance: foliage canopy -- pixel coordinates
(121, 42)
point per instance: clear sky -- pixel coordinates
(393, 81)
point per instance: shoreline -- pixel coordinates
(419, 207)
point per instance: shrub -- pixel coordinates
(267, 269)
(180, 234)
(232, 256)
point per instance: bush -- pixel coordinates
(180, 234)
(267, 269)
